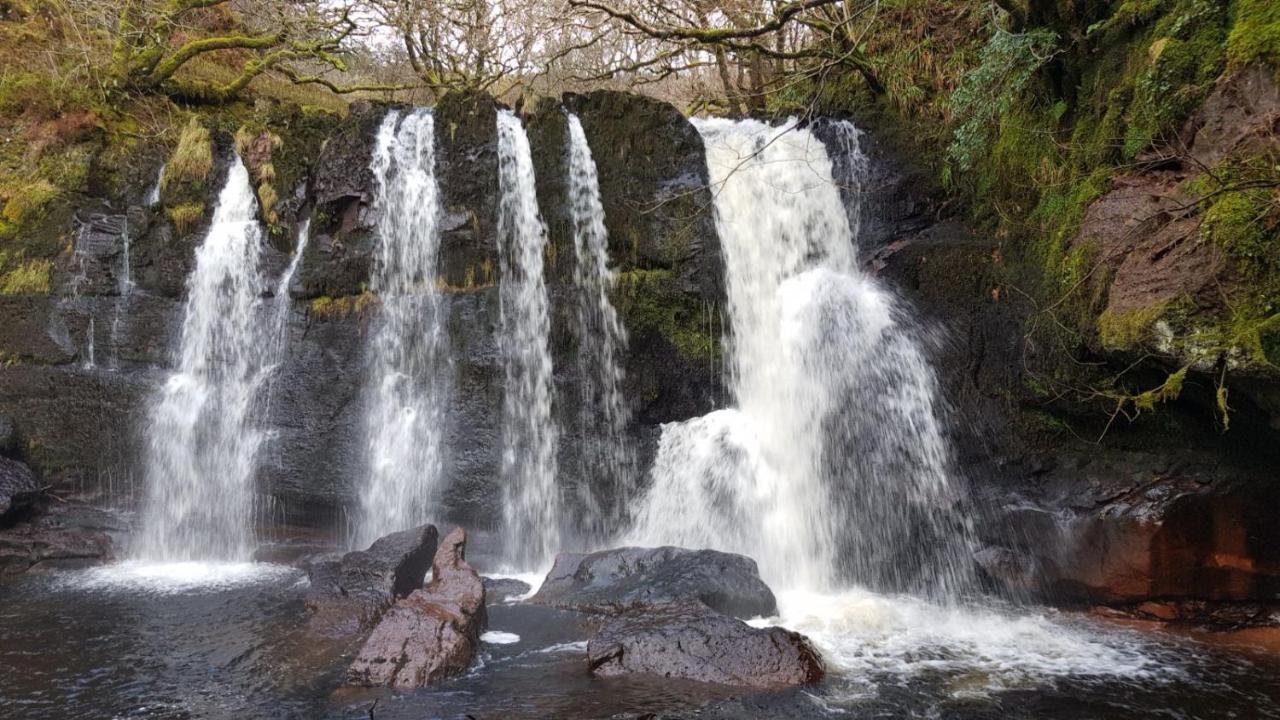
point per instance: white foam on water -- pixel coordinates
(579, 646)
(497, 637)
(532, 579)
(175, 578)
(867, 637)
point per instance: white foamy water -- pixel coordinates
(173, 578)
(204, 431)
(868, 638)
(531, 502)
(831, 466)
(409, 353)
(153, 195)
(497, 637)
(608, 460)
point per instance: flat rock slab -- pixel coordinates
(349, 595)
(66, 534)
(693, 642)
(431, 635)
(623, 579)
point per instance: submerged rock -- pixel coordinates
(500, 589)
(432, 634)
(347, 596)
(65, 534)
(692, 642)
(614, 581)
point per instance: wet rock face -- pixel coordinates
(692, 642)
(627, 579)
(18, 487)
(1121, 528)
(347, 596)
(467, 171)
(433, 633)
(64, 534)
(338, 258)
(8, 436)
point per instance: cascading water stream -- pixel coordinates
(406, 395)
(532, 504)
(831, 467)
(204, 433)
(608, 460)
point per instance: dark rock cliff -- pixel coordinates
(83, 427)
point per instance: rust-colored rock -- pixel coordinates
(431, 635)
(692, 642)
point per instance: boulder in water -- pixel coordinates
(347, 596)
(498, 590)
(432, 634)
(692, 642)
(615, 581)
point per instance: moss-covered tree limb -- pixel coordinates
(146, 58)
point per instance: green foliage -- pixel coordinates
(1237, 222)
(331, 308)
(25, 202)
(1169, 390)
(1255, 32)
(993, 88)
(651, 301)
(1124, 331)
(186, 175)
(29, 278)
(186, 216)
(1181, 63)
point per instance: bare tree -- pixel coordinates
(152, 42)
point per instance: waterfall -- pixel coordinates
(409, 351)
(124, 290)
(531, 503)
(831, 467)
(203, 435)
(153, 195)
(608, 461)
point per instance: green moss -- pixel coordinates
(651, 301)
(25, 203)
(1255, 32)
(331, 308)
(186, 217)
(1237, 223)
(186, 175)
(1125, 331)
(1169, 390)
(1183, 58)
(29, 278)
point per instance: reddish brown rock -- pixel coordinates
(692, 642)
(1133, 529)
(431, 635)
